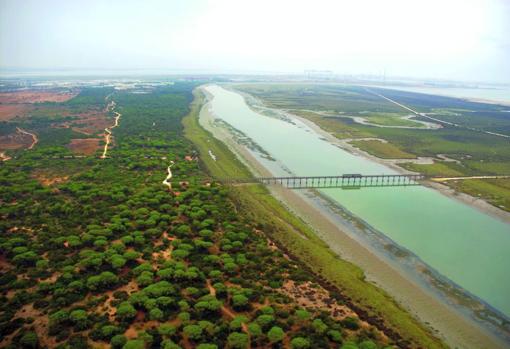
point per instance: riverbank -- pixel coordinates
(457, 330)
(345, 144)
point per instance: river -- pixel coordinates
(458, 241)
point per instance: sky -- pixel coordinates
(446, 39)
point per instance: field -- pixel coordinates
(476, 152)
(55, 118)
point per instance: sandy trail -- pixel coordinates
(108, 132)
(4, 157)
(34, 137)
(169, 176)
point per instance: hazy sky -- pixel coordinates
(452, 39)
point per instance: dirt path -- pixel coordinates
(4, 157)
(108, 131)
(169, 176)
(34, 137)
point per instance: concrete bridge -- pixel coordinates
(340, 181)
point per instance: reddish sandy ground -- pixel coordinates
(19, 103)
(35, 97)
(86, 146)
(91, 123)
(15, 141)
(10, 111)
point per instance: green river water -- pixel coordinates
(470, 248)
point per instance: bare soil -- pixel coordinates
(10, 111)
(89, 123)
(35, 96)
(15, 140)
(85, 146)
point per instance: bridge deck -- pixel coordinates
(350, 180)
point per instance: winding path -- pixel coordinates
(4, 157)
(169, 176)
(34, 137)
(108, 132)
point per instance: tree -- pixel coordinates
(118, 341)
(108, 331)
(193, 332)
(300, 343)
(207, 346)
(368, 344)
(319, 326)
(166, 330)
(349, 345)
(335, 335)
(134, 344)
(275, 334)
(238, 340)
(29, 340)
(265, 320)
(118, 261)
(156, 314)
(126, 311)
(302, 314)
(25, 259)
(145, 278)
(239, 301)
(80, 318)
(237, 322)
(254, 329)
(169, 344)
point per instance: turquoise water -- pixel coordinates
(463, 244)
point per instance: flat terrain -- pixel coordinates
(99, 253)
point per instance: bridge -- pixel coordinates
(340, 181)
(348, 180)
